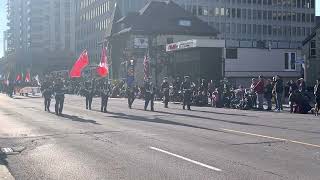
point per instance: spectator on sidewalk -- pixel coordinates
(259, 90)
(278, 91)
(268, 94)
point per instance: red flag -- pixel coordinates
(79, 65)
(18, 77)
(146, 64)
(103, 69)
(27, 77)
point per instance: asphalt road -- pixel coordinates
(205, 143)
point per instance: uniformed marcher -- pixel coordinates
(47, 94)
(149, 94)
(46, 89)
(165, 91)
(105, 93)
(88, 93)
(186, 88)
(131, 95)
(59, 91)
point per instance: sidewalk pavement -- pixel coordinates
(4, 172)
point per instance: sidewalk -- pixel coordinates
(4, 172)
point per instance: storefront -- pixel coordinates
(198, 58)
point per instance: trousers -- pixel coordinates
(59, 104)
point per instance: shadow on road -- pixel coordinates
(233, 122)
(78, 119)
(156, 120)
(220, 113)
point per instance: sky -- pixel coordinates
(317, 7)
(3, 20)
(3, 23)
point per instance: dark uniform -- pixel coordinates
(59, 91)
(149, 95)
(47, 92)
(105, 93)
(131, 96)
(165, 90)
(88, 93)
(187, 93)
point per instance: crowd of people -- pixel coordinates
(262, 93)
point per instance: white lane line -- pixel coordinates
(274, 138)
(186, 159)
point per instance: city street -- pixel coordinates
(205, 143)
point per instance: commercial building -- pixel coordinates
(257, 23)
(37, 25)
(93, 18)
(40, 29)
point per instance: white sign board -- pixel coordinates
(140, 42)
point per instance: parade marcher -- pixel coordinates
(259, 89)
(187, 92)
(165, 91)
(130, 95)
(105, 92)
(149, 94)
(317, 97)
(88, 93)
(46, 89)
(47, 94)
(176, 90)
(59, 91)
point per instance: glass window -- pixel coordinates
(233, 12)
(249, 13)
(289, 61)
(312, 18)
(231, 53)
(238, 13)
(238, 28)
(303, 17)
(265, 15)
(254, 29)
(244, 13)
(243, 29)
(313, 49)
(249, 28)
(259, 14)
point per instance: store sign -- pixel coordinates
(181, 45)
(140, 42)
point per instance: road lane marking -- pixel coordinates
(186, 159)
(270, 137)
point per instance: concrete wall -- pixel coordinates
(252, 62)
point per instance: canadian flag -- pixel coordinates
(18, 78)
(27, 77)
(79, 65)
(103, 69)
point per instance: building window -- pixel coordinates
(231, 53)
(290, 61)
(313, 51)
